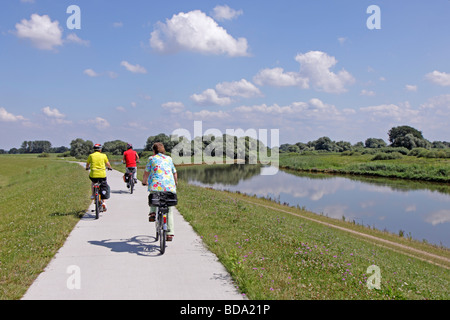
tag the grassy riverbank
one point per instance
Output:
(405, 167)
(278, 252)
(41, 200)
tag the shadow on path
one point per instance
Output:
(139, 245)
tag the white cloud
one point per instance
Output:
(6, 116)
(118, 24)
(226, 13)
(52, 113)
(55, 115)
(173, 107)
(440, 78)
(410, 87)
(316, 65)
(41, 31)
(314, 71)
(133, 68)
(197, 32)
(75, 39)
(99, 123)
(223, 92)
(90, 73)
(210, 97)
(242, 88)
(278, 78)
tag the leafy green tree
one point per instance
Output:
(375, 143)
(164, 139)
(80, 148)
(397, 135)
(116, 147)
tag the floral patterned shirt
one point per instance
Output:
(161, 169)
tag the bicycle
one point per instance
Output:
(129, 179)
(98, 198)
(162, 201)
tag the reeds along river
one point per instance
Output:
(414, 209)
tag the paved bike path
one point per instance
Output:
(117, 257)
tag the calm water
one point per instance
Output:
(420, 210)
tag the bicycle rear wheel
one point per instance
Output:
(162, 241)
(131, 184)
(97, 206)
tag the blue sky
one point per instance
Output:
(307, 68)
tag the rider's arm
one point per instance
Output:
(108, 165)
(137, 157)
(145, 178)
(175, 177)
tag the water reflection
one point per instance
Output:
(419, 209)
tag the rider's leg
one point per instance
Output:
(170, 224)
(152, 215)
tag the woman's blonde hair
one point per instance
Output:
(158, 147)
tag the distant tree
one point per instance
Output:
(397, 135)
(323, 143)
(13, 151)
(163, 138)
(358, 145)
(375, 143)
(116, 147)
(37, 146)
(343, 146)
(61, 149)
(80, 148)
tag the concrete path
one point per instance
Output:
(117, 257)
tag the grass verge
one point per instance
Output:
(41, 200)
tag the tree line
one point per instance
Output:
(399, 137)
(234, 147)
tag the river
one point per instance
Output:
(415, 209)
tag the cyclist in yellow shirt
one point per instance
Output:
(97, 163)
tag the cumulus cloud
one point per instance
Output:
(439, 78)
(242, 88)
(223, 92)
(43, 33)
(6, 116)
(133, 68)
(52, 113)
(195, 31)
(278, 78)
(222, 13)
(316, 65)
(55, 115)
(315, 71)
(210, 97)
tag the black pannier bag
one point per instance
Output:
(105, 190)
(158, 199)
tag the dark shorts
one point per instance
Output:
(95, 180)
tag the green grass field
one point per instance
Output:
(406, 167)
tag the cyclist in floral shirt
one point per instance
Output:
(160, 175)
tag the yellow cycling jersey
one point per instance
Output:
(97, 162)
